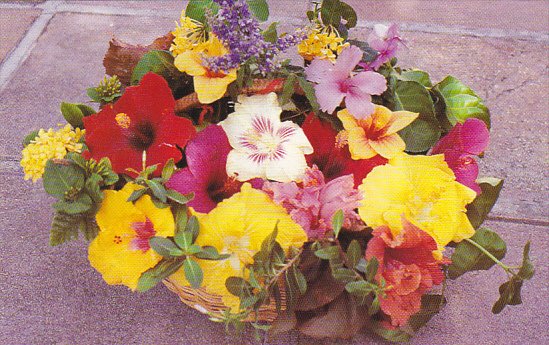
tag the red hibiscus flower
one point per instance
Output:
(143, 119)
(464, 141)
(330, 157)
(407, 264)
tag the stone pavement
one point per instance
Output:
(50, 51)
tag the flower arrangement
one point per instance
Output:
(327, 196)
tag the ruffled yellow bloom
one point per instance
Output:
(49, 145)
(209, 85)
(121, 251)
(424, 190)
(190, 35)
(238, 226)
(322, 44)
(376, 134)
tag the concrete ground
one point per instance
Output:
(50, 51)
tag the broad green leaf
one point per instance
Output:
(259, 8)
(440, 109)
(462, 102)
(344, 275)
(288, 89)
(168, 169)
(178, 197)
(309, 91)
(60, 178)
(156, 61)
(361, 290)
(328, 253)
(349, 14)
(93, 94)
(430, 306)
(89, 227)
(73, 114)
(196, 9)
(180, 217)
(155, 275)
(526, 270)
(211, 253)
(30, 137)
(81, 204)
(270, 34)
(416, 75)
(93, 188)
(136, 194)
(184, 239)
(297, 278)
(468, 257)
(193, 272)
(159, 191)
(424, 132)
(509, 295)
(238, 286)
(86, 110)
(337, 222)
(165, 247)
(193, 249)
(63, 228)
(193, 227)
(354, 253)
(483, 203)
(330, 12)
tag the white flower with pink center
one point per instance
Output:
(263, 146)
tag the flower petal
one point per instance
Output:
(328, 95)
(369, 82)
(347, 61)
(190, 62)
(240, 164)
(210, 90)
(359, 145)
(290, 168)
(318, 70)
(399, 120)
(359, 104)
(388, 146)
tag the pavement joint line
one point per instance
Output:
(25, 46)
(525, 221)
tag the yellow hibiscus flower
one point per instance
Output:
(121, 251)
(376, 134)
(208, 85)
(238, 226)
(424, 190)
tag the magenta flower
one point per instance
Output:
(337, 81)
(206, 174)
(458, 146)
(313, 203)
(384, 39)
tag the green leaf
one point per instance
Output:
(136, 194)
(309, 91)
(184, 239)
(392, 335)
(168, 169)
(86, 110)
(462, 102)
(343, 275)
(509, 295)
(297, 278)
(93, 189)
(430, 306)
(354, 253)
(196, 9)
(270, 34)
(155, 275)
(337, 222)
(210, 253)
(93, 94)
(374, 306)
(193, 249)
(424, 132)
(63, 228)
(467, 257)
(60, 178)
(361, 290)
(371, 269)
(165, 247)
(73, 114)
(30, 137)
(416, 75)
(178, 197)
(89, 227)
(81, 204)
(238, 286)
(526, 270)
(483, 203)
(156, 61)
(259, 8)
(349, 14)
(158, 190)
(288, 89)
(180, 217)
(193, 272)
(193, 227)
(330, 12)
(361, 266)
(328, 253)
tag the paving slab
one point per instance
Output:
(50, 295)
(13, 26)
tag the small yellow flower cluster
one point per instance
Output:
(190, 35)
(323, 44)
(48, 145)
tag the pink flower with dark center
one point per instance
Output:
(335, 82)
(313, 203)
(459, 145)
(206, 174)
(144, 231)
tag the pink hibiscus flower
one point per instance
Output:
(206, 174)
(458, 146)
(335, 82)
(384, 39)
(313, 203)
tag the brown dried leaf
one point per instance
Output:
(121, 58)
(284, 322)
(320, 291)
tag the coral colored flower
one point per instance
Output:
(337, 81)
(424, 190)
(384, 39)
(143, 119)
(377, 134)
(49, 145)
(209, 85)
(463, 141)
(407, 264)
(206, 174)
(331, 156)
(121, 251)
(322, 43)
(238, 226)
(263, 146)
(313, 203)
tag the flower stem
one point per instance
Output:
(492, 257)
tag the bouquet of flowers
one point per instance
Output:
(327, 195)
